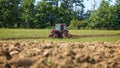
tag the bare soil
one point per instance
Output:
(33, 54)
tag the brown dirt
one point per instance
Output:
(32, 54)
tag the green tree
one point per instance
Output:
(9, 13)
(103, 17)
(27, 13)
(117, 14)
(42, 15)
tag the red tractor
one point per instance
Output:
(60, 31)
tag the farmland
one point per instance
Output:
(31, 48)
(92, 42)
(32, 54)
(42, 34)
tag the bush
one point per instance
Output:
(76, 24)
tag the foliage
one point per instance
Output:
(41, 15)
(103, 17)
(27, 13)
(76, 24)
(46, 13)
(9, 12)
(117, 14)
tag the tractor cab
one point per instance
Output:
(60, 31)
(60, 27)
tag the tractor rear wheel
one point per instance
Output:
(55, 35)
(65, 34)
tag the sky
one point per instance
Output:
(89, 4)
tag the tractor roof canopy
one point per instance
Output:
(60, 27)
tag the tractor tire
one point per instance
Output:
(65, 34)
(55, 35)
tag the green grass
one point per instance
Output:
(94, 32)
(19, 33)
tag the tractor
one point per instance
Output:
(60, 31)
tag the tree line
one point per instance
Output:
(44, 14)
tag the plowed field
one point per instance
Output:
(34, 54)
